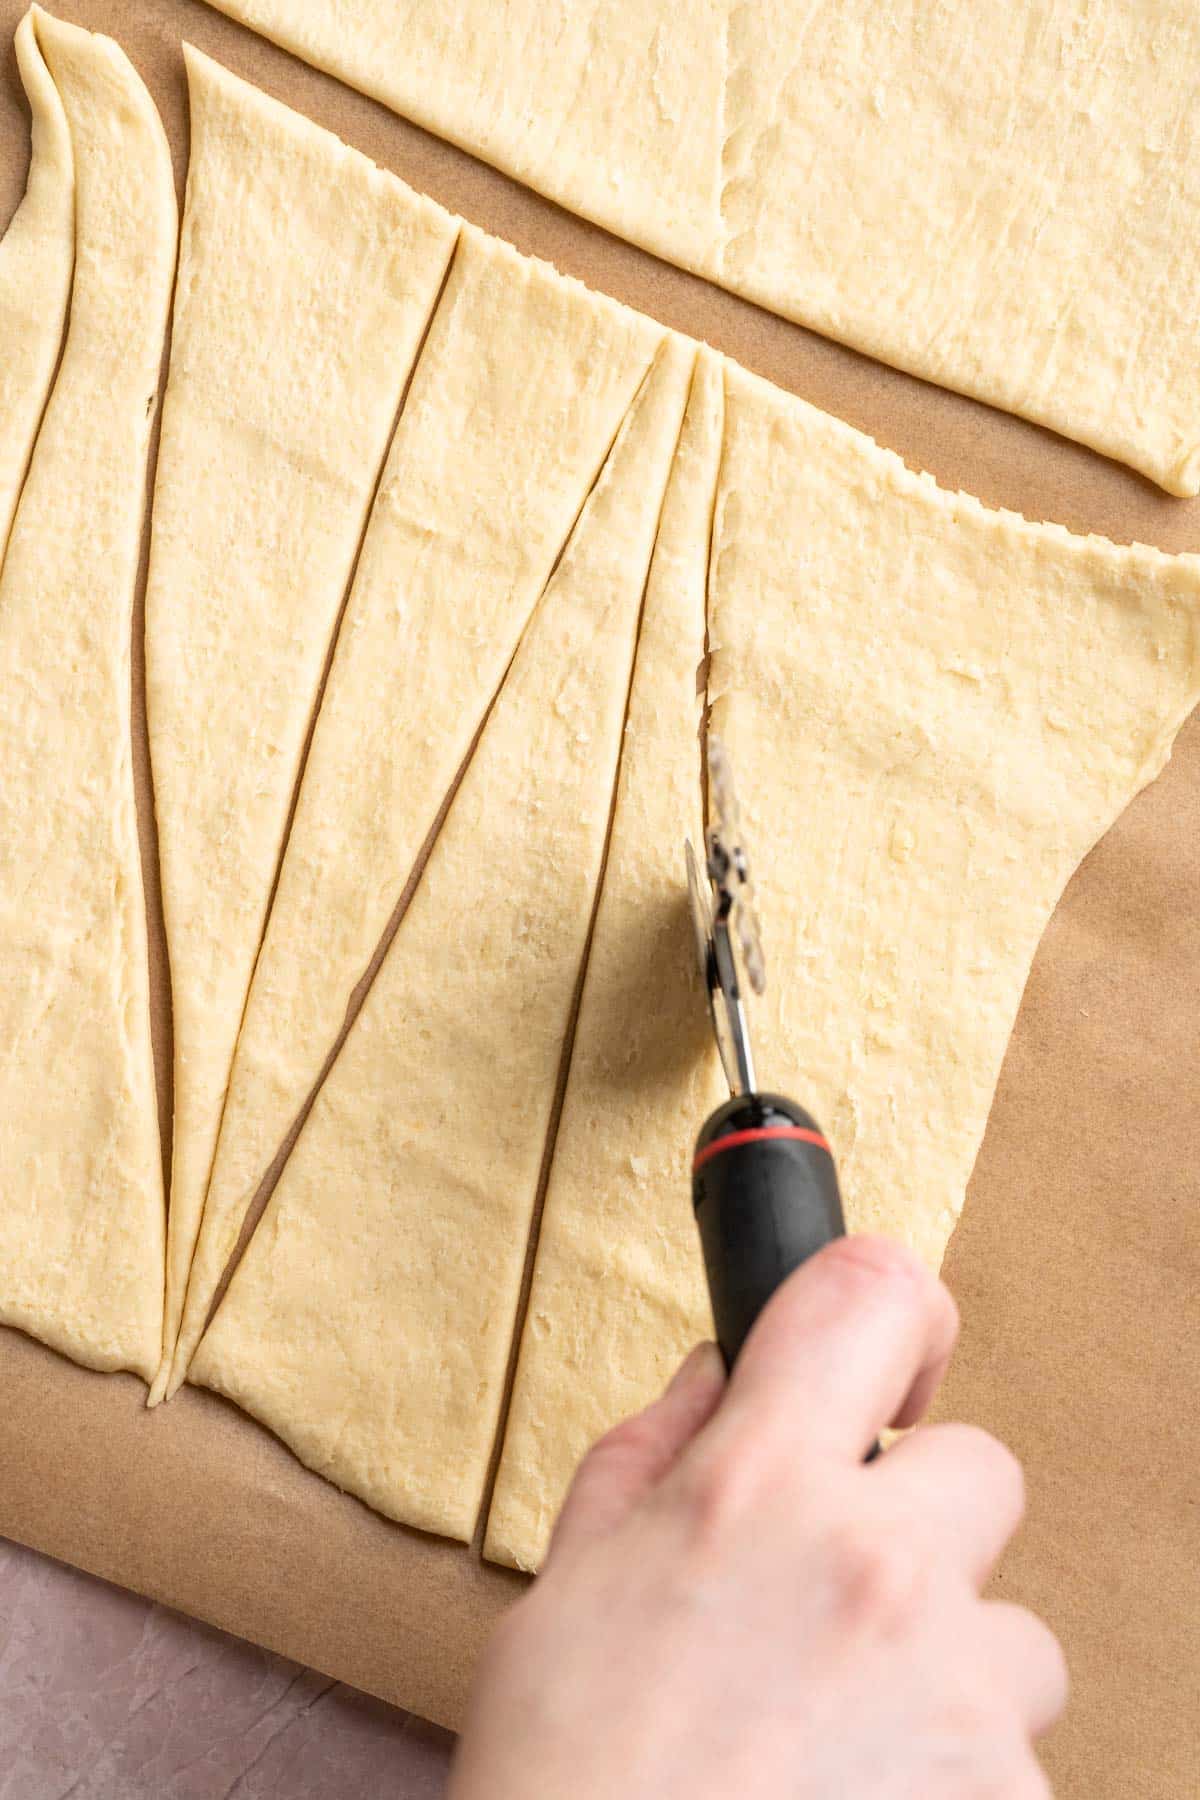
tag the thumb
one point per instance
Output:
(631, 1459)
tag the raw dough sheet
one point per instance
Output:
(971, 659)
(520, 389)
(618, 1294)
(369, 1322)
(1001, 199)
(37, 254)
(306, 279)
(1075, 1237)
(81, 1200)
(933, 712)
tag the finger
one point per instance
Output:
(960, 1486)
(1028, 1659)
(858, 1338)
(634, 1456)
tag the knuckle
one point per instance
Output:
(614, 1459)
(1049, 1658)
(868, 1262)
(1030, 1632)
(880, 1583)
(1059, 1673)
(631, 1440)
(999, 1468)
(717, 1491)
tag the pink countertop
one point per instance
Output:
(104, 1696)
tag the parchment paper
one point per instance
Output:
(1077, 1260)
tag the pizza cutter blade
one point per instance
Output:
(764, 1184)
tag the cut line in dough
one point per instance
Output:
(307, 279)
(618, 1293)
(520, 391)
(37, 254)
(81, 1201)
(369, 1322)
(933, 711)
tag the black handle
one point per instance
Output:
(765, 1192)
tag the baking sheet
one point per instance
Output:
(1077, 1261)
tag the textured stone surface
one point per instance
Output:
(104, 1696)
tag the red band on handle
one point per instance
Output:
(757, 1135)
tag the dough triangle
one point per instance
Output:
(518, 395)
(370, 1320)
(37, 253)
(81, 1202)
(306, 279)
(618, 1292)
(933, 712)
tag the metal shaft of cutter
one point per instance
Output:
(739, 1063)
(764, 1185)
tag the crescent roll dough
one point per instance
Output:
(618, 1289)
(370, 1320)
(81, 1201)
(306, 279)
(520, 389)
(933, 711)
(1004, 199)
(36, 256)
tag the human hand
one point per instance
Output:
(735, 1605)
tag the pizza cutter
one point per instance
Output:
(764, 1183)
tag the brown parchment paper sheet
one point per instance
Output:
(1075, 1265)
